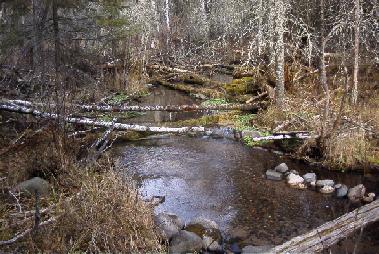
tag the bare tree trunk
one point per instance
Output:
(280, 22)
(356, 51)
(323, 78)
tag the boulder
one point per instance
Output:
(294, 180)
(369, 198)
(169, 224)
(341, 190)
(257, 249)
(185, 242)
(322, 183)
(327, 189)
(281, 168)
(310, 177)
(273, 175)
(356, 193)
(293, 171)
(35, 185)
(209, 232)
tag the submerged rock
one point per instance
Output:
(356, 193)
(369, 198)
(322, 183)
(169, 224)
(185, 242)
(257, 249)
(327, 189)
(294, 180)
(281, 168)
(310, 177)
(341, 190)
(273, 175)
(209, 231)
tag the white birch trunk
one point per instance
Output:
(356, 51)
(280, 22)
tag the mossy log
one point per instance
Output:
(331, 232)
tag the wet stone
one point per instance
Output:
(169, 224)
(294, 180)
(341, 190)
(327, 189)
(185, 242)
(310, 177)
(322, 183)
(273, 175)
(281, 168)
(356, 193)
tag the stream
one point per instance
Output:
(223, 180)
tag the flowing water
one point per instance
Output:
(223, 180)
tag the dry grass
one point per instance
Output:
(96, 209)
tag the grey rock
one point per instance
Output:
(369, 198)
(281, 168)
(326, 189)
(273, 175)
(169, 224)
(337, 186)
(257, 249)
(185, 242)
(341, 190)
(200, 96)
(295, 172)
(310, 177)
(294, 180)
(322, 183)
(208, 230)
(253, 134)
(356, 193)
(33, 186)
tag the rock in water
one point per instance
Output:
(369, 198)
(356, 193)
(185, 242)
(209, 232)
(327, 189)
(169, 224)
(322, 183)
(294, 180)
(273, 175)
(310, 177)
(281, 168)
(341, 190)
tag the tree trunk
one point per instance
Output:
(331, 232)
(280, 19)
(356, 51)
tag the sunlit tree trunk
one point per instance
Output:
(280, 22)
(356, 51)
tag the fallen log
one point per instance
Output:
(331, 232)
(225, 132)
(138, 108)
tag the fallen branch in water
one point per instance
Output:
(225, 132)
(331, 232)
(169, 108)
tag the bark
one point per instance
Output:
(280, 19)
(331, 232)
(169, 108)
(356, 51)
(225, 132)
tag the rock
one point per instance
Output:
(200, 96)
(281, 168)
(322, 183)
(238, 234)
(341, 190)
(294, 180)
(208, 230)
(169, 224)
(294, 172)
(327, 189)
(234, 247)
(185, 242)
(310, 177)
(253, 134)
(337, 186)
(356, 193)
(34, 185)
(273, 175)
(369, 198)
(257, 249)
